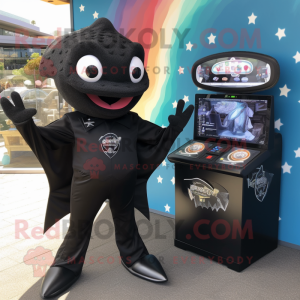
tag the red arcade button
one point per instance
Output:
(209, 157)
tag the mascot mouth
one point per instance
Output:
(112, 103)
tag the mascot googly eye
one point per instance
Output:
(89, 68)
(136, 70)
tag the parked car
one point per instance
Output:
(32, 97)
(6, 93)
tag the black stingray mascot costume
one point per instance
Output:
(101, 74)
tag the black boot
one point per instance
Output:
(149, 268)
(56, 281)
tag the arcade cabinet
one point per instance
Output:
(227, 179)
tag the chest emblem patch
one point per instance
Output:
(110, 144)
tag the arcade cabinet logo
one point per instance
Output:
(205, 196)
(260, 181)
(110, 144)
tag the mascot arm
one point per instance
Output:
(52, 137)
(152, 134)
(149, 133)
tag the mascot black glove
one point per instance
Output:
(17, 112)
(181, 117)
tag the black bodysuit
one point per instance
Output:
(111, 159)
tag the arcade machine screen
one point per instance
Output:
(245, 121)
(238, 119)
(233, 72)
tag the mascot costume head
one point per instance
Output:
(97, 70)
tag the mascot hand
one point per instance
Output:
(181, 117)
(17, 112)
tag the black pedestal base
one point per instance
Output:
(217, 258)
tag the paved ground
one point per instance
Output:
(23, 199)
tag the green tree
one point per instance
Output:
(33, 22)
(31, 69)
(35, 55)
(1, 66)
(18, 72)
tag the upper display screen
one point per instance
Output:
(237, 119)
(235, 72)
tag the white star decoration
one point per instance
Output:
(173, 180)
(189, 46)
(211, 38)
(174, 104)
(278, 124)
(159, 179)
(95, 15)
(186, 98)
(167, 208)
(81, 8)
(180, 70)
(284, 91)
(164, 163)
(286, 168)
(297, 152)
(163, 126)
(279, 219)
(280, 33)
(297, 57)
(252, 19)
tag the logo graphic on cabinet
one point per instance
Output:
(206, 196)
(260, 181)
